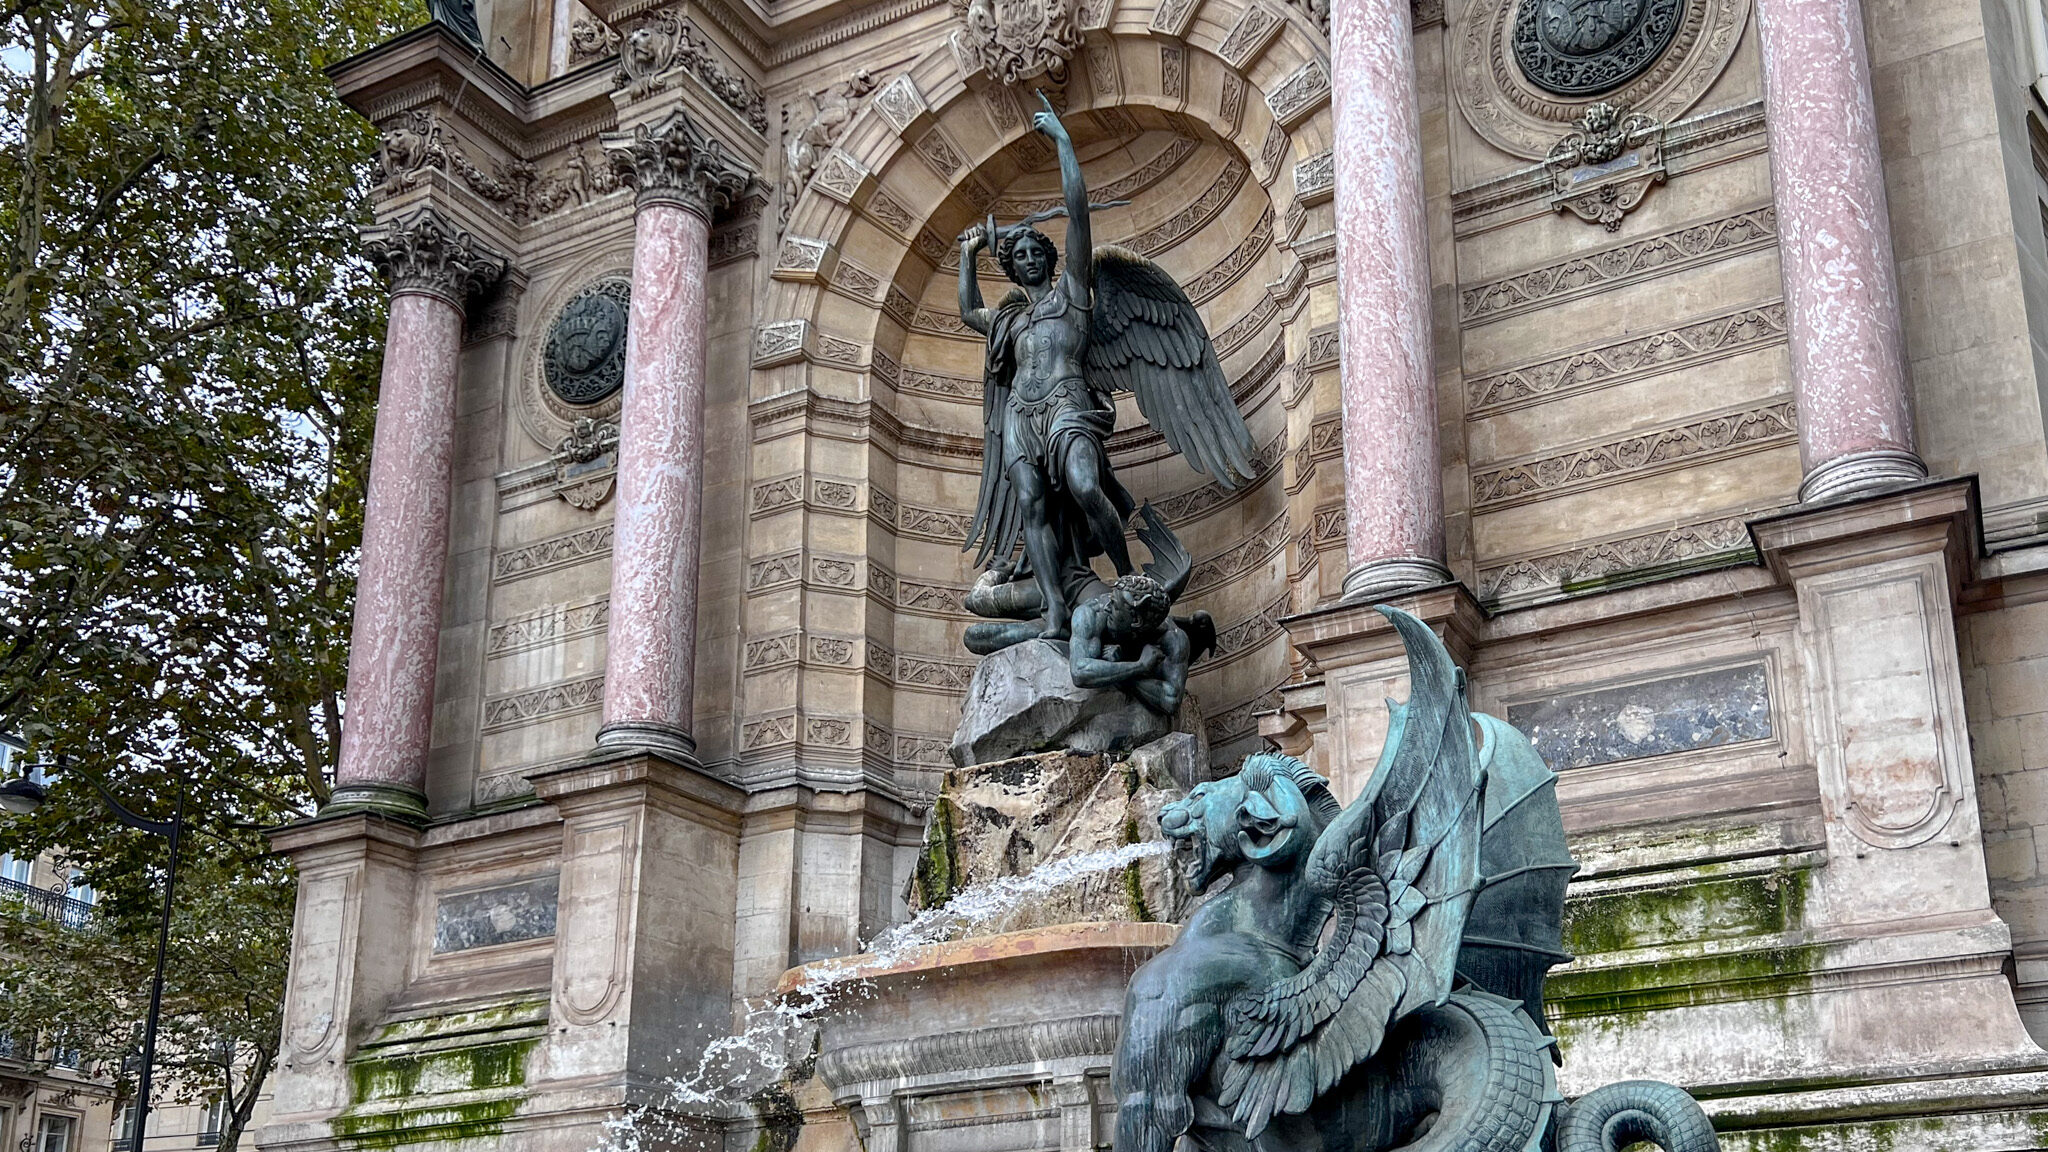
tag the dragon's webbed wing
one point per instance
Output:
(1148, 339)
(1399, 867)
(1170, 565)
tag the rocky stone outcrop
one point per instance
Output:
(1007, 818)
(1022, 700)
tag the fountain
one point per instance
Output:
(1354, 980)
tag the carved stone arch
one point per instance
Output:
(930, 107)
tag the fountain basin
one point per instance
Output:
(995, 1042)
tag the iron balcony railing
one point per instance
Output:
(52, 903)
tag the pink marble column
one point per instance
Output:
(434, 267)
(1835, 250)
(1393, 482)
(680, 175)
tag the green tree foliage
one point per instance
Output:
(189, 349)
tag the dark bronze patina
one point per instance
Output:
(1586, 47)
(1059, 346)
(1370, 978)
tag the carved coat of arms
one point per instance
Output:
(1015, 40)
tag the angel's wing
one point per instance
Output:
(1399, 867)
(1149, 339)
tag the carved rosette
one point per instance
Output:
(426, 252)
(677, 162)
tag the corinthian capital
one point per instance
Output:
(677, 162)
(427, 252)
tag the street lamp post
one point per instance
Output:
(23, 795)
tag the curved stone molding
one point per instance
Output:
(1524, 120)
(1717, 436)
(426, 252)
(1860, 472)
(676, 161)
(998, 1047)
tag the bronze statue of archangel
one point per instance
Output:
(1059, 346)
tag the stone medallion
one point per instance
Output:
(584, 360)
(1525, 71)
(1586, 47)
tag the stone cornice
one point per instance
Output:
(675, 161)
(426, 252)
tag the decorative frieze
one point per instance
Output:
(1172, 17)
(1152, 170)
(902, 104)
(1239, 721)
(1246, 556)
(1173, 71)
(1230, 102)
(1536, 579)
(1620, 361)
(427, 252)
(1695, 441)
(774, 572)
(570, 548)
(1315, 179)
(1652, 256)
(780, 342)
(554, 624)
(544, 703)
(1225, 272)
(768, 652)
(676, 161)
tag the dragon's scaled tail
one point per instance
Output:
(1612, 1118)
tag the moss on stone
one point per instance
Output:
(437, 1096)
(1629, 990)
(1717, 908)
(938, 866)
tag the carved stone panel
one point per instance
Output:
(504, 914)
(1681, 713)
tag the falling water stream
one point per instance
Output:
(732, 1069)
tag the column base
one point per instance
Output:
(666, 740)
(394, 800)
(1860, 472)
(1393, 576)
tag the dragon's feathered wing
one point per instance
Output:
(1148, 339)
(1399, 867)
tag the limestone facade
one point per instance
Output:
(1799, 742)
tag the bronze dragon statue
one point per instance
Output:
(1371, 978)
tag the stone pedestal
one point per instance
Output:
(356, 889)
(644, 930)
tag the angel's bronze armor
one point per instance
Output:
(1057, 348)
